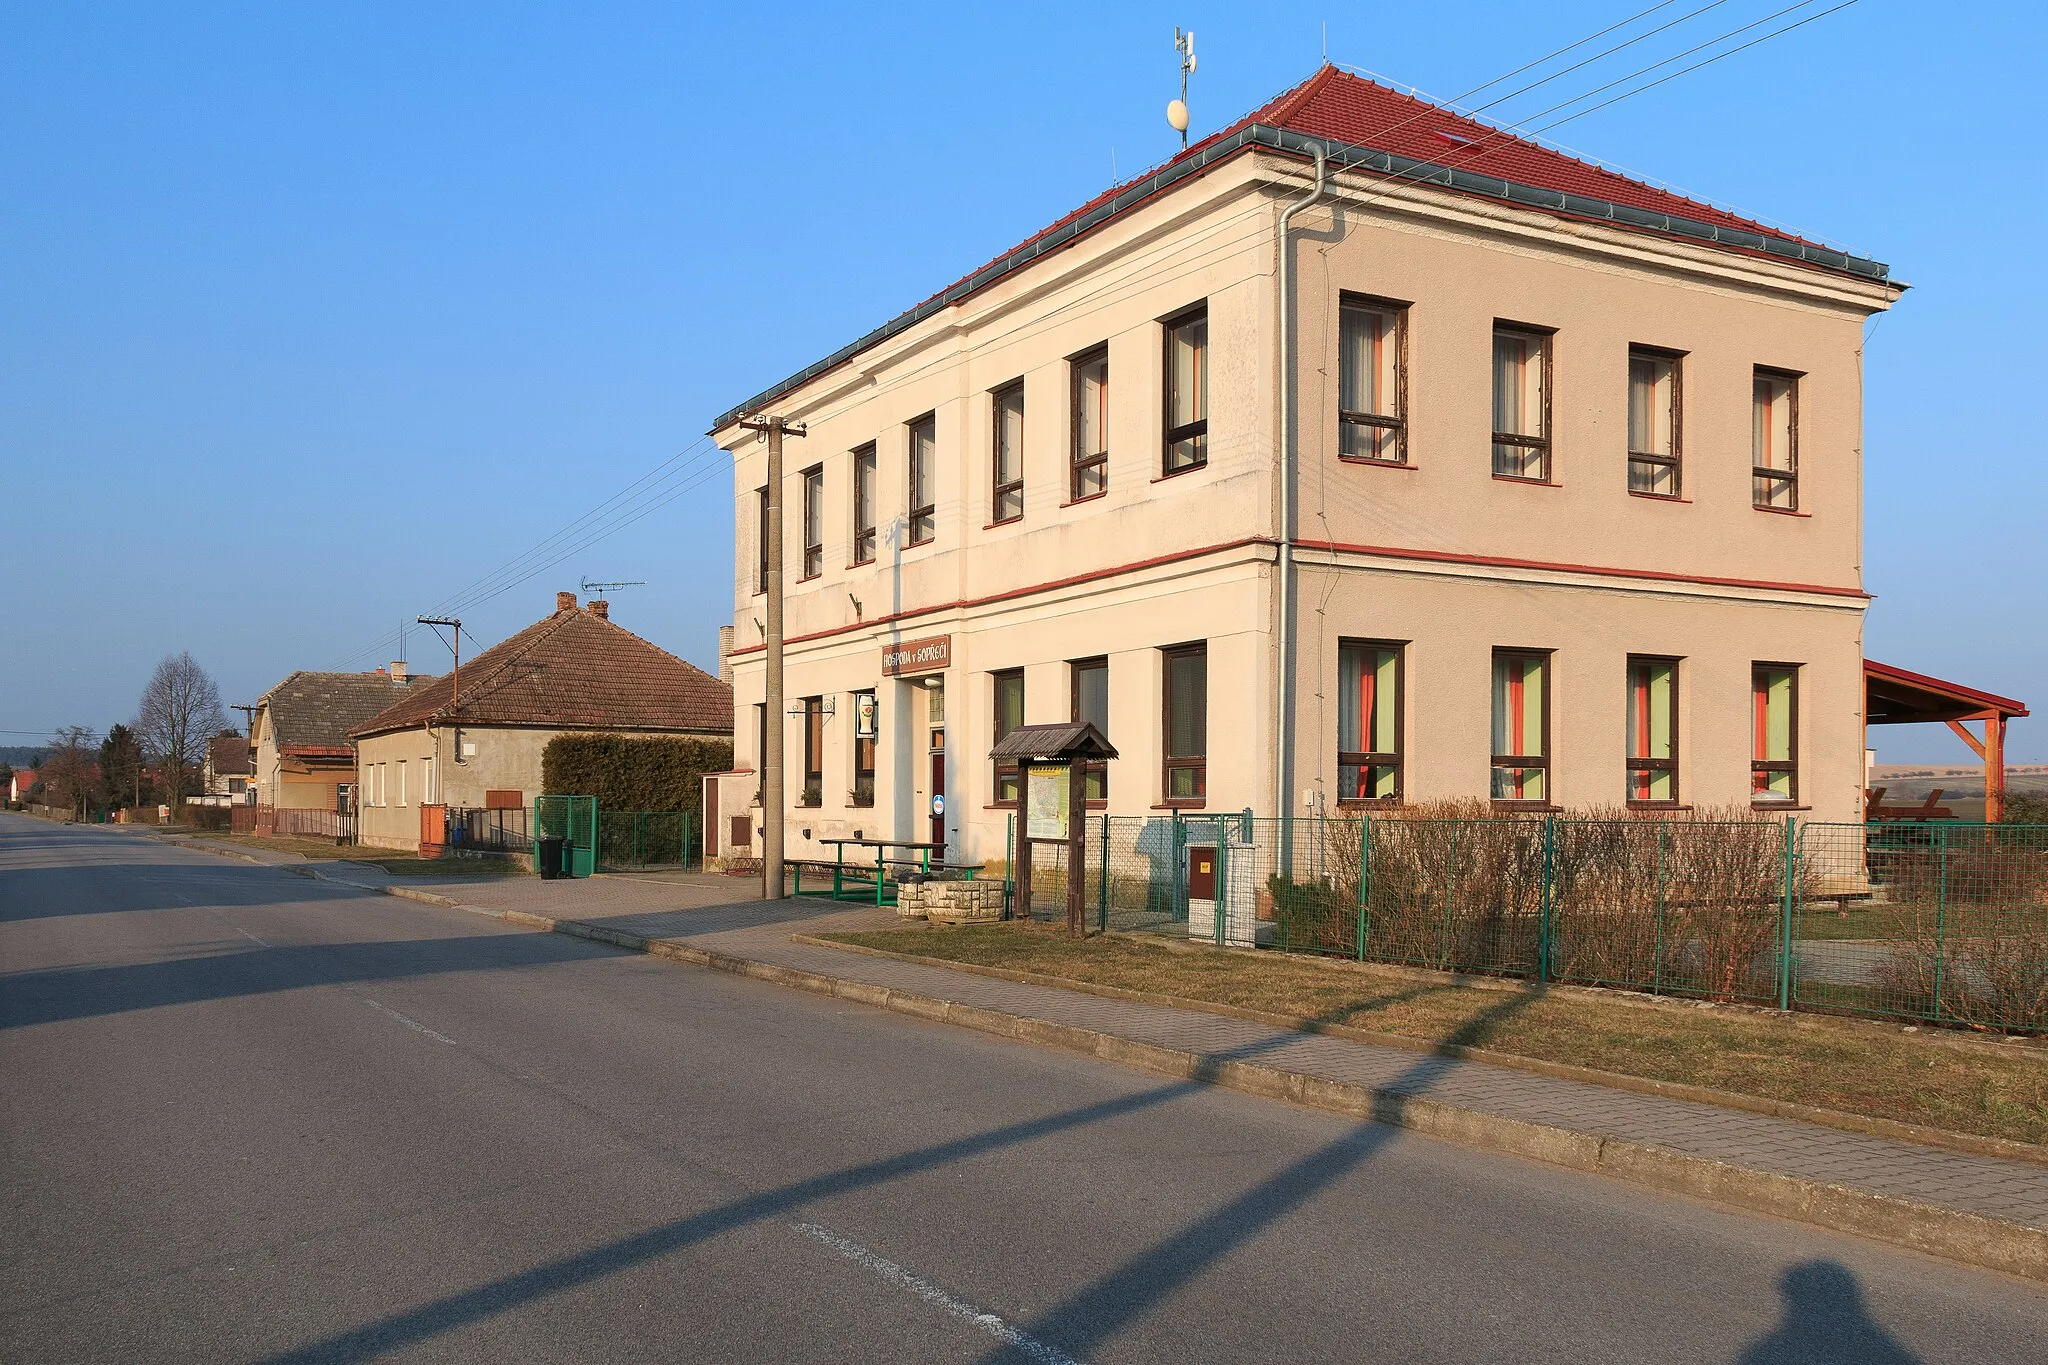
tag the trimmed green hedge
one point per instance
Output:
(625, 773)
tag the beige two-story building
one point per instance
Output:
(1361, 454)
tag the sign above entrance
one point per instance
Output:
(932, 654)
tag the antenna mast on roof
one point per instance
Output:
(590, 587)
(1177, 110)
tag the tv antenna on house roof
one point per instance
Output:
(1177, 110)
(590, 587)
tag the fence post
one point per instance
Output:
(1544, 901)
(1450, 896)
(1222, 878)
(1785, 916)
(1657, 962)
(1102, 905)
(1940, 912)
(1364, 880)
(1009, 867)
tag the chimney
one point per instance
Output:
(565, 601)
(601, 609)
(398, 671)
(380, 670)
(725, 655)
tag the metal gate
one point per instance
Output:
(572, 819)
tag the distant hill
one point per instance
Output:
(22, 755)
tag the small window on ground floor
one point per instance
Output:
(1368, 721)
(1652, 731)
(1521, 726)
(1185, 778)
(1774, 769)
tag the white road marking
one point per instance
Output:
(409, 1023)
(260, 943)
(937, 1297)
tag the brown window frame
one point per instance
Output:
(1544, 445)
(1169, 762)
(999, 487)
(1001, 769)
(1675, 461)
(1540, 761)
(1370, 759)
(862, 796)
(812, 796)
(813, 521)
(761, 539)
(863, 480)
(1398, 423)
(923, 519)
(1080, 462)
(1633, 764)
(1757, 766)
(1788, 476)
(1097, 771)
(1196, 430)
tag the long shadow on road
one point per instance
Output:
(1085, 1320)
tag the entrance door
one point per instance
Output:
(936, 731)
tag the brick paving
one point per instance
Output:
(711, 912)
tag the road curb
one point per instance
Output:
(1968, 1143)
(1972, 1239)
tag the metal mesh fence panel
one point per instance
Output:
(1946, 922)
(647, 838)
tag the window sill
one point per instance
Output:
(919, 544)
(1780, 511)
(1363, 462)
(1006, 521)
(1091, 497)
(1660, 497)
(862, 564)
(1177, 473)
(1532, 483)
(1203, 804)
(1000, 805)
(1536, 806)
(1097, 805)
(1777, 806)
(812, 577)
(1372, 804)
(1658, 805)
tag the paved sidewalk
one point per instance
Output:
(704, 912)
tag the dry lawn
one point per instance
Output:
(1872, 1071)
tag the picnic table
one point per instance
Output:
(862, 877)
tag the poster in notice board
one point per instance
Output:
(1045, 803)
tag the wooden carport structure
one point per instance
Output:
(1898, 696)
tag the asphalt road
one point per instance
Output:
(252, 1117)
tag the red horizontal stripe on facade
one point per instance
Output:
(1432, 556)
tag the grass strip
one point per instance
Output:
(1904, 1077)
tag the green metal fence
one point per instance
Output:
(1941, 922)
(648, 838)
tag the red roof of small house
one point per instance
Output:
(1434, 145)
(573, 670)
(1899, 695)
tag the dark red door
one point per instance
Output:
(938, 810)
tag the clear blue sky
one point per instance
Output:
(312, 316)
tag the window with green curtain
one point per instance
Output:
(1009, 714)
(1368, 721)
(1652, 731)
(1774, 768)
(1521, 725)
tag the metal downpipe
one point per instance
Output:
(1283, 768)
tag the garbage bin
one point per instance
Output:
(552, 847)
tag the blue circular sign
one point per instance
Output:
(939, 804)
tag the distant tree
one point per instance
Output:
(121, 767)
(68, 774)
(179, 713)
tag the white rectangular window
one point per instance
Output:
(1187, 391)
(1007, 472)
(1371, 422)
(1653, 423)
(864, 505)
(1521, 404)
(814, 521)
(427, 793)
(1090, 456)
(924, 458)
(1774, 438)
(401, 781)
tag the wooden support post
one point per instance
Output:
(1994, 767)
(1077, 848)
(1020, 862)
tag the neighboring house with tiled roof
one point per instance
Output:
(228, 768)
(1359, 454)
(574, 671)
(300, 753)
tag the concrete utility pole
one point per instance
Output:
(773, 772)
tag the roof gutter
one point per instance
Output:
(1340, 156)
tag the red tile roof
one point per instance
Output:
(1337, 107)
(572, 670)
